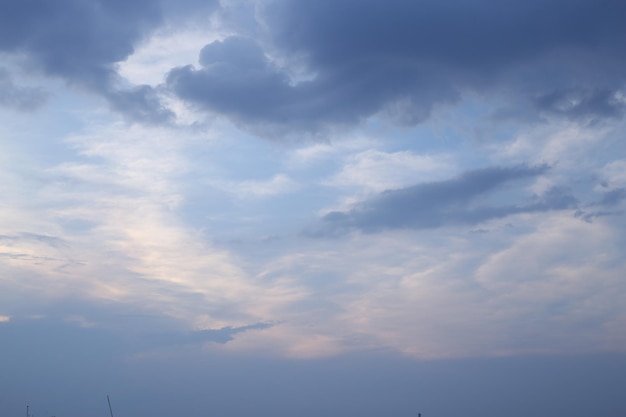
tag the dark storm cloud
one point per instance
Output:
(82, 41)
(19, 98)
(77, 40)
(403, 57)
(458, 201)
(236, 79)
(581, 104)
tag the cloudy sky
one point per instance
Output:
(303, 208)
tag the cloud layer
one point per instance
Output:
(401, 59)
(446, 203)
(82, 43)
(313, 66)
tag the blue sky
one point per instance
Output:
(288, 207)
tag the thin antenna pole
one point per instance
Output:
(27, 415)
(110, 409)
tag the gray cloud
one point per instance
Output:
(82, 41)
(17, 97)
(79, 41)
(368, 57)
(140, 103)
(613, 197)
(578, 104)
(235, 79)
(402, 58)
(458, 201)
(608, 205)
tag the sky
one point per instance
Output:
(304, 208)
